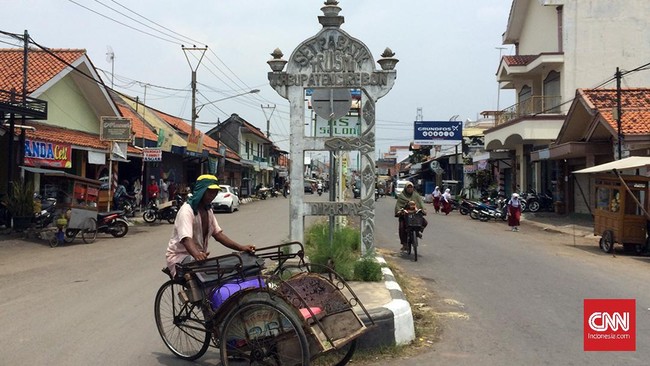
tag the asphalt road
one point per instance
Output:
(506, 298)
(82, 304)
(502, 298)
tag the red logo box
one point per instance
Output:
(610, 325)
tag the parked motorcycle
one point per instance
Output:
(320, 191)
(127, 205)
(46, 215)
(484, 211)
(262, 193)
(466, 206)
(274, 192)
(166, 211)
(113, 222)
(536, 202)
(5, 217)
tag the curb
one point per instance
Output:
(393, 321)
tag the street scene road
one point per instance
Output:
(516, 298)
(502, 298)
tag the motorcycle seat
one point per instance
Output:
(101, 215)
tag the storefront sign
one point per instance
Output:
(152, 154)
(115, 129)
(41, 153)
(343, 127)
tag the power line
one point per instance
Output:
(121, 23)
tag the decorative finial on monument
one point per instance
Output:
(331, 17)
(387, 61)
(277, 63)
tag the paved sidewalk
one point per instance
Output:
(571, 224)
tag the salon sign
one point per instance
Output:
(47, 154)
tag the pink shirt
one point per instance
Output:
(188, 225)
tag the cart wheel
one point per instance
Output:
(263, 330)
(89, 231)
(70, 234)
(54, 242)
(181, 324)
(642, 248)
(607, 241)
(338, 357)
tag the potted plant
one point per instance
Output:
(21, 205)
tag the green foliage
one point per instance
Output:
(480, 179)
(343, 251)
(21, 202)
(367, 269)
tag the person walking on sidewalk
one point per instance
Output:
(514, 212)
(436, 199)
(408, 194)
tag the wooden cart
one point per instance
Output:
(620, 212)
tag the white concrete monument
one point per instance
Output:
(331, 63)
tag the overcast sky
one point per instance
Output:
(448, 52)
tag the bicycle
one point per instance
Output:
(287, 314)
(413, 226)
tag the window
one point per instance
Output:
(552, 94)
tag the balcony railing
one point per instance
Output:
(29, 108)
(529, 107)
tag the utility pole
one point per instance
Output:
(194, 48)
(619, 112)
(268, 118)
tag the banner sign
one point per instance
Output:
(40, 153)
(115, 129)
(152, 154)
(195, 142)
(438, 132)
(343, 127)
(165, 139)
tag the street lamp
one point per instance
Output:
(200, 106)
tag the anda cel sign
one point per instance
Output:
(438, 132)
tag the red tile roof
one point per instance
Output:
(635, 105)
(139, 127)
(519, 60)
(41, 65)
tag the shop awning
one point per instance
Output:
(628, 163)
(59, 173)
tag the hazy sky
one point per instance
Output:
(448, 52)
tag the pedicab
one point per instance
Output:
(267, 308)
(621, 205)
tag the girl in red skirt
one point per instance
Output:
(436, 199)
(514, 212)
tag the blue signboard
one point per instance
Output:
(438, 132)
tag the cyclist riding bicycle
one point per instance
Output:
(407, 195)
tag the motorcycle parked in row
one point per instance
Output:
(466, 206)
(127, 205)
(484, 211)
(45, 216)
(112, 222)
(262, 193)
(538, 201)
(166, 211)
